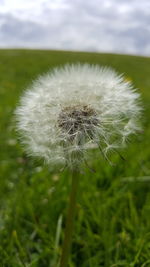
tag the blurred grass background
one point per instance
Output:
(112, 227)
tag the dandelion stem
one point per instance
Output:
(70, 220)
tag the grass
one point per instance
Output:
(112, 227)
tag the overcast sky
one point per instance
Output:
(118, 26)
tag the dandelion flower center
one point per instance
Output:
(78, 120)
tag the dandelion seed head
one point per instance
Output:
(75, 108)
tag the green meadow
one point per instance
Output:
(112, 226)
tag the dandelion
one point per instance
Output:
(71, 110)
(76, 108)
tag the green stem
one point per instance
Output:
(70, 220)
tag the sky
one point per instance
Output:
(114, 26)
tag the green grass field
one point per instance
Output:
(112, 227)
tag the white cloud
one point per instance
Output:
(111, 26)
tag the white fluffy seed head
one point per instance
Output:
(74, 108)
